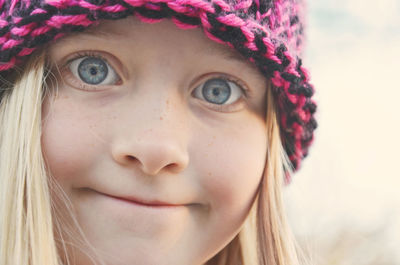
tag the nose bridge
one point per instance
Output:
(161, 109)
(155, 136)
(162, 122)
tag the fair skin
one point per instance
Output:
(149, 132)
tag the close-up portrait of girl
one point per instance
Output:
(156, 132)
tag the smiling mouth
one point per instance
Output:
(137, 201)
(150, 203)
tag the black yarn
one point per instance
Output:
(260, 44)
(252, 9)
(34, 18)
(267, 66)
(95, 2)
(217, 8)
(75, 10)
(114, 16)
(6, 55)
(213, 21)
(307, 134)
(280, 54)
(291, 78)
(265, 5)
(41, 39)
(287, 104)
(310, 106)
(292, 118)
(293, 89)
(4, 30)
(313, 123)
(187, 19)
(154, 14)
(306, 91)
(294, 20)
(245, 52)
(229, 34)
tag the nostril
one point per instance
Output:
(131, 158)
(173, 167)
(151, 156)
(128, 160)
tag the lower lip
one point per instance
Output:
(132, 205)
(141, 219)
(158, 206)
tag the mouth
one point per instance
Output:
(142, 202)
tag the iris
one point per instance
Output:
(93, 70)
(216, 91)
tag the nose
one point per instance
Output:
(152, 154)
(154, 142)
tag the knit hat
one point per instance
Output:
(267, 32)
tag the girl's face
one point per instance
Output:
(157, 136)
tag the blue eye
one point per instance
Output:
(93, 71)
(218, 91)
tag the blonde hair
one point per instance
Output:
(32, 231)
(26, 222)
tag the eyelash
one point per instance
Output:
(246, 93)
(222, 108)
(82, 54)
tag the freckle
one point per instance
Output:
(161, 118)
(209, 173)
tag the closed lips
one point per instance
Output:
(153, 203)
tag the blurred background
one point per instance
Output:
(344, 204)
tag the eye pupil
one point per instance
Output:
(216, 91)
(93, 70)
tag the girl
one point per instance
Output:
(125, 141)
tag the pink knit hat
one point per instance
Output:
(267, 32)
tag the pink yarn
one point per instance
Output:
(59, 21)
(38, 11)
(114, 9)
(10, 43)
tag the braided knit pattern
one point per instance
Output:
(267, 32)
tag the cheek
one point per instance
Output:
(65, 135)
(231, 165)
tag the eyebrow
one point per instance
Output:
(97, 33)
(227, 52)
(230, 54)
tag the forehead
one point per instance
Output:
(129, 31)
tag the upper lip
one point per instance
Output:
(154, 203)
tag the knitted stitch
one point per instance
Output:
(267, 32)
